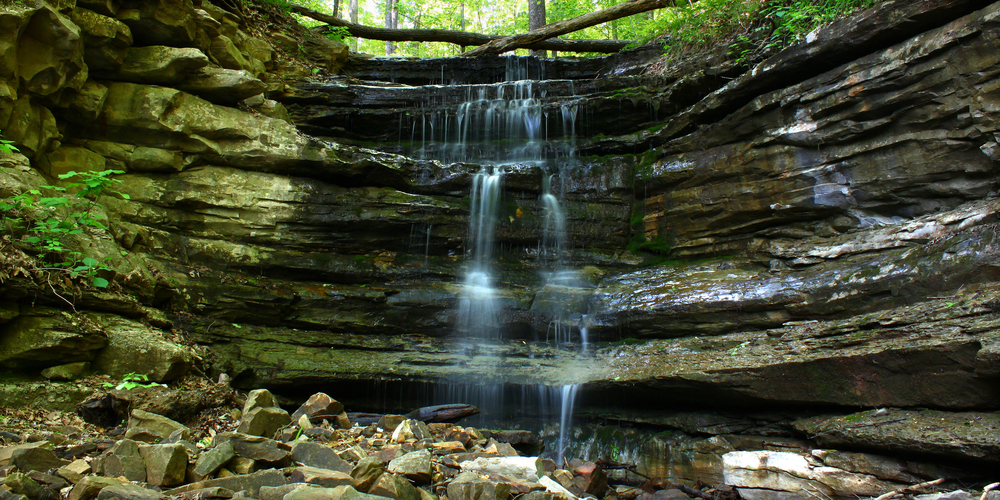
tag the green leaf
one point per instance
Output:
(100, 283)
(90, 261)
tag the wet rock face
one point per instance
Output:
(897, 134)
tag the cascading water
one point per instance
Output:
(477, 315)
(505, 126)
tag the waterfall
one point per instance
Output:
(477, 315)
(504, 127)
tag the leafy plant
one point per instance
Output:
(51, 224)
(338, 33)
(7, 147)
(132, 380)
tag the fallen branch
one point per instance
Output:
(462, 38)
(988, 489)
(577, 23)
(917, 488)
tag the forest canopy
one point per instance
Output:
(689, 25)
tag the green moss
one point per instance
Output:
(628, 341)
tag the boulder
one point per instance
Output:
(321, 477)
(134, 347)
(41, 337)
(523, 468)
(69, 371)
(318, 455)
(259, 398)
(251, 483)
(72, 159)
(106, 40)
(256, 448)
(367, 472)
(223, 86)
(75, 471)
(319, 406)
(146, 159)
(6, 452)
(469, 486)
(390, 421)
(260, 50)
(309, 492)
(767, 474)
(36, 459)
(24, 486)
(123, 460)
(30, 125)
(263, 421)
(160, 22)
(128, 491)
(277, 492)
(393, 486)
(590, 479)
(410, 430)
(213, 459)
(50, 54)
(415, 466)
(325, 53)
(150, 427)
(961, 435)
(267, 107)
(159, 65)
(229, 57)
(84, 105)
(90, 486)
(166, 464)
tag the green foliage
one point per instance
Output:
(6, 146)
(338, 33)
(62, 211)
(132, 380)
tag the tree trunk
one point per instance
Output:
(390, 24)
(625, 9)
(459, 37)
(536, 19)
(336, 8)
(352, 11)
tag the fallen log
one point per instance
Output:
(443, 413)
(462, 38)
(577, 23)
(429, 414)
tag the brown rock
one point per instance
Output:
(319, 406)
(322, 477)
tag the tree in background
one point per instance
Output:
(391, 22)
(536, 19)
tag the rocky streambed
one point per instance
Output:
(318, 452)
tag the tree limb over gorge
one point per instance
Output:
(577, 23)
(465, 38)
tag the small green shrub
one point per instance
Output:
(132, 380)
(338, 33)
(48, 223)
(7, 147)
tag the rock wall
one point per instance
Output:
(831, 213)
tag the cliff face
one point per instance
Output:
(831, 213)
